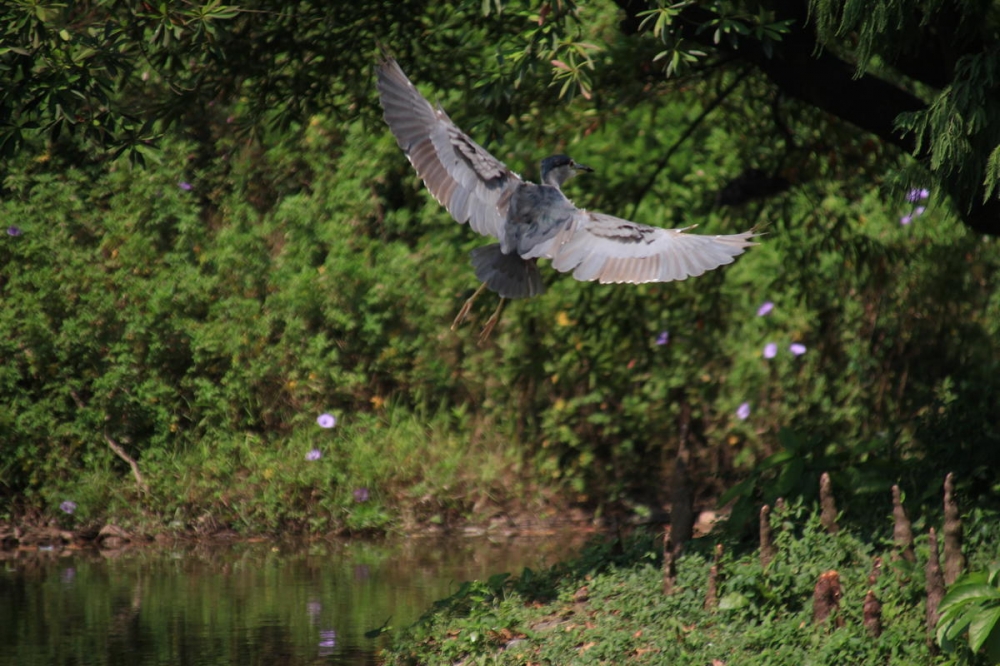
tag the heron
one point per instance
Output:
(534, 221)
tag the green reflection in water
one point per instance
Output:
(242, 603)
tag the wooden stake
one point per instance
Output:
(669, 566)
(876, 571)
(902, 532)
(828, 515)
(767, 549)
(826, 598)
(935, 590)
(712, 593)
(872, 611)
(954, 561)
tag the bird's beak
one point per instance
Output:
(581, 167)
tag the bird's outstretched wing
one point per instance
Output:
(460, 173)
(595, 246)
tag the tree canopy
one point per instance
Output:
(919, 75)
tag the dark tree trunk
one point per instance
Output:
(801, 68)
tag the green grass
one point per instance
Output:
(608, 607)
(418, 470)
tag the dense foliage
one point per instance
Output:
(278, 260)
(922, 75)
(608, 606)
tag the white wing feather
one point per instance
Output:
(595, 246)
(461, 174)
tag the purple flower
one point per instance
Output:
(664, 338)
(743, 411)
(184, 185)
(797, 349)
(906, 219)
(327, 642)
(765, 309)
(326, 421)
(68, 506)
(919, 210)
(918, 194)
(13, 230)
(315, 454)
(770, 350)
(360, 494)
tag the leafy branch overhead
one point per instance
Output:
(923, 76)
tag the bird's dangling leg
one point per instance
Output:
(464, 312)
(491, 322)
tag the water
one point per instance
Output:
(242, 603)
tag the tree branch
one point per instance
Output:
(803, 69)
(121, 453)
(118, 450)
(661, 164)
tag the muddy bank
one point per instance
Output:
(48, 537)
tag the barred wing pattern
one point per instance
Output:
(535, 221)
(595, 246)
(460, 173)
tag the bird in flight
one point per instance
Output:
(532, 221)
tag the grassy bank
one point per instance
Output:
(391, 470)
(609, 606)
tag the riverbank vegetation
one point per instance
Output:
(212, 243)
(808, 595)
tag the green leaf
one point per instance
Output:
(733, 601)
(962, 593)
(983, 624)
(992, 647)
(742, 488)
(952, 627)
(496, 581)
(789, 479)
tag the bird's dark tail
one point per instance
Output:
(507, 274)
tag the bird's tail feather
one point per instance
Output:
(507, 274)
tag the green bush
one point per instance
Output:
(233, 292)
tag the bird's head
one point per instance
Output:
(557, 169)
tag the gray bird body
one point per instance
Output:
(532, 221)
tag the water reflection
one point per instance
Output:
(243, 603)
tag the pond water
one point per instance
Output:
(240, 603)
